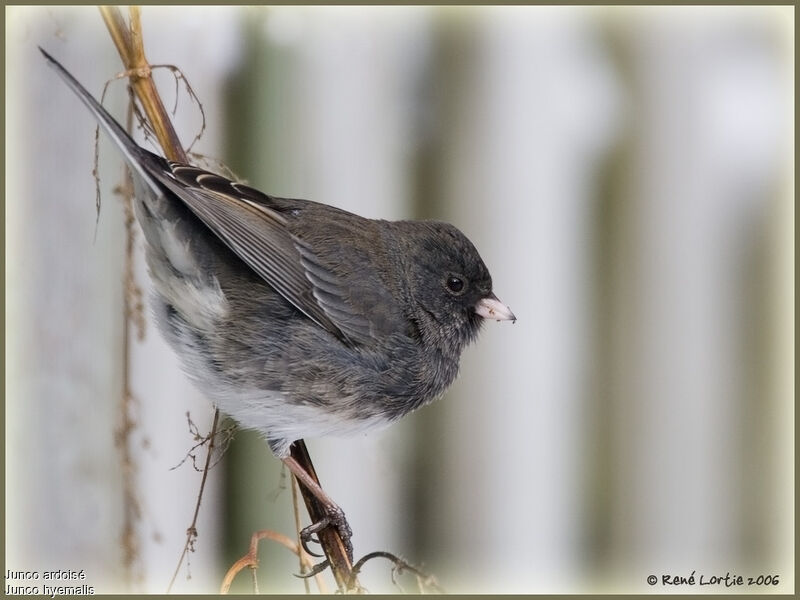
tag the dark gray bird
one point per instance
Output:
(295, 318)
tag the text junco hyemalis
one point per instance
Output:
(295, 318)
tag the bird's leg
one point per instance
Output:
(334, 516)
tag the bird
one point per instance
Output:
(295, 318)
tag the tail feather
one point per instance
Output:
(132, 152)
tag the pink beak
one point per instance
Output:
(491, 308)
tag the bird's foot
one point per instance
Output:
(334, 517)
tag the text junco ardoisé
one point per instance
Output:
(296, 318)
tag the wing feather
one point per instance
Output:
(261, 236)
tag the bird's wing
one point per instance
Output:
(255, 227)
(333, 296)
(260, 235)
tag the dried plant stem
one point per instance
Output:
(128, 41)
(425, 582)
(131, 318)
(191, 532)
(297, 528)
(329, 539)
(251, 558)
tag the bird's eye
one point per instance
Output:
(455, 284)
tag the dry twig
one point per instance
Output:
(224, 438)
(191, 532)
(298, 527)
(251, 559)
(332, 544)
(425, 582)
(128, 41)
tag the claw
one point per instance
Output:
(309, 551)
(334, 518)
(305, 538)
(315, 570)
